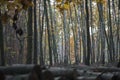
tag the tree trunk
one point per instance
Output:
(49, 34)
(30, 37)
(35, 58)
(88, 35)
(2, 57)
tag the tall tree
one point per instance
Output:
(110, 29)
(41, 24)
(54, 47)
(30, 37)
(2, 57)
(88, 34)
(49, 33)
(35, 34)
(102, 32)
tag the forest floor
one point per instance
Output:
(60, 72)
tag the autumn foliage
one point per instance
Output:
(13, 8)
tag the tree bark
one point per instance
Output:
(2, 54)
(30, 37)
(88, 35)
(35, 57)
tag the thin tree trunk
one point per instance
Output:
(88, 35)
(53, 34)
(83, 33)
(102, 35)
(35, 35)
(92, 34)
(49, 34)
(65, 37)
(2, 54)
(111, 43)
(41, 40)
(30, 37)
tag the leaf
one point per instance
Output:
(58, 6)
(3, 1)
(26, 4)
(66, 6)
(18, 1)
(11, 6)
(31, 4)
(103, 1)
(58, 0)
(100, 1)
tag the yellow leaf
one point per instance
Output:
(100, 1)
(66, 6)
(26, 4)
(58, 0)
(11, 6)
(31, 4)
(18, 1)
(103, 1)
(97, 1)
(58, 6)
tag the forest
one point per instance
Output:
(59, 39)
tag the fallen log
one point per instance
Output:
(60, 71)
(105, 76)
(105, 69)
(116, 76)
(86, 78)
(9, 77)
(14, 70)
(17, 77)
(79, 75)
(97, 69)
(25, 69)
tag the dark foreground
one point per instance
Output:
(69, 72)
